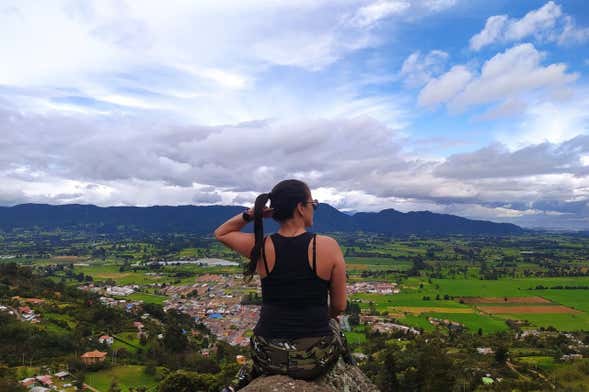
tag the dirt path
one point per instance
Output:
(538, 374)
(86, 386)
(543, 377)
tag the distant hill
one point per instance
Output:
(204, 219)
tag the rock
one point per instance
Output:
(342, 378)
(283, 383)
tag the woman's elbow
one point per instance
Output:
(218, 235)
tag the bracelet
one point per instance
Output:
(246, 217)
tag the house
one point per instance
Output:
(45, 380)
(24, 309)
(105, 339)
(34, 301)
(28, 382)
(571, 357)
(485, 350)
(92, 357)
(62, 375)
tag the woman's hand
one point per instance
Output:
(229, 233)
(266, 213)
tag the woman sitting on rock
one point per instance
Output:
(298, 333)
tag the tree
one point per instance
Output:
(184, 381)
(386, 378)
(174, 339)
(114, 386)
(501, 354)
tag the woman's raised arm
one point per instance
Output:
(229, 233)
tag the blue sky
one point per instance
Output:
(475, 108)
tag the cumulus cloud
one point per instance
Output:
(497, 161)
(74, 42)
(133, 103)
(506, 75)
(418, 68)
(552, 121)
(368, 15)
(547, 23)
(354, 163)
(445, 87)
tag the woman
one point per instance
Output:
(299, 271)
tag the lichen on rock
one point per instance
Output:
(341, 378)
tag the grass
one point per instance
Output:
(562, 322)
(413, 290)
(504, 287)
(417, 322)
(380, 261)
(474, 321)
(576, 299)
(126, 376)
(541, 361)
(357, 335)
(129, 337)
(573, 376)
(148, 298)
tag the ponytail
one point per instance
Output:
(250, 268)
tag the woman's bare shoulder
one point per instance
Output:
(327, 242)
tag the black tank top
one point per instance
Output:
(294, 298)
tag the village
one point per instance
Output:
(219, 302)
(229, 308)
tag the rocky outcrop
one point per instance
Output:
(342, 378)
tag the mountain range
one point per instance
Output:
(204, 219)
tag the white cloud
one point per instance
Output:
(553, 122)
(445, 87)
(547, 23)
(356, 164)
(370, 14)
(418, 68)
(505, 76)
(216, 63)
(492, 32)
(497, 161)
(537, 22)
(572, 34)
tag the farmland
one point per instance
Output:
(475, 291)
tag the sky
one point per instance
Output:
(469, 107)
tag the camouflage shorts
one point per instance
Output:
(303, 358)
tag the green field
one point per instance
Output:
(541, 361)
(357, 335)
(148, 298)
(474, 321)
(418, 294)
(126, 376)
(576, 299)
(128, 341)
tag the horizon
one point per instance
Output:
(469, 108)
(348, 213)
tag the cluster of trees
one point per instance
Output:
(437, 362)
(179, 348)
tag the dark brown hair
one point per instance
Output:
(284, 198)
